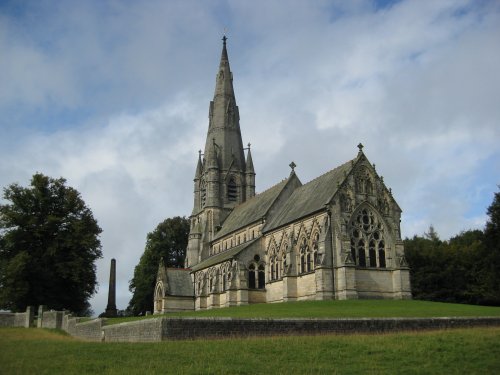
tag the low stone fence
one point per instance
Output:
(52, 319)
(171, 328)
(25, 319)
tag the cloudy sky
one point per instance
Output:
(114, 96)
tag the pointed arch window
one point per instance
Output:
(251, 276)
(262, 277)
(367, 239)
(303, 256)
(232, 190)
(203, 193)
(372, 254)
(315, 247)
(283, 259)
(159, 297)
(361, 253)
(274, 265)
(306, 258)
(381, 254)
(224, 281)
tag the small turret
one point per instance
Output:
(212, 177)
(249, 176)
(197, 178)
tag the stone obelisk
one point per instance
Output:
(111, 307)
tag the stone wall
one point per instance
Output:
(147, 330)
(90, 330)
(52, 319)
(192, 328)
(7, 319)
(25, 319)
(170, 328)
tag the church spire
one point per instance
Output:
(224, 85)
(224, 178)
(224, 119)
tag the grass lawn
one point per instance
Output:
(459, 351)
(339, 309)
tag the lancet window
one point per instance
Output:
(203, 193)
(283, 259)
(274, 265)
(315, 247)
(306, 258)
(232, 190)
(251, 276)
(367, 240)
(262, 277)
(256, 276)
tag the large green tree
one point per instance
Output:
(490, 258)
(167, 241)
(49, 242)
(465, 269)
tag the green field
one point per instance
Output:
(460, 351)
(340, 309)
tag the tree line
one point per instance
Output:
(464, 269)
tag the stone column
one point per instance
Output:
(111, 307)
(30, 314)
(41, 310)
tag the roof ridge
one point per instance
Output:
(260, 194)
(273, 186)
(330, 171)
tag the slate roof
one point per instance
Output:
(310, 197)
(179, 282)
(221, 257)
(252, 210)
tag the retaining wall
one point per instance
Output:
(90, 330)
(147, 330)
(191, 328)
(166, 328)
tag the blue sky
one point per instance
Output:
(114, 95)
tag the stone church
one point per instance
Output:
(335, 237)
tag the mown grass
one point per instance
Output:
(460, 351)
(339, 309)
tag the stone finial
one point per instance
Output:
(292, 165)
(360, 146)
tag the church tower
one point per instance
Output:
(224, 178)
